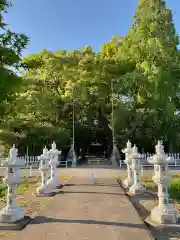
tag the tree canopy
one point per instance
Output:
(142, 68)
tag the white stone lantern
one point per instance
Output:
(11, 213)
(164, 212)
(53, 182)
(128, 161)
(44, 189)
(136, 168)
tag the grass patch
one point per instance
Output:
(149, 185)
(176, 175)
(3, 190)
(147, 182)
(174, 189)
(22, 187)
(173, 186)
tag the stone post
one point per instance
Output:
(30, 170)
(164, 212)
(136, 168)
(11, 213)
(54, 182)
(44, 189)
(74, 160)
(91, 178)
(128, 161)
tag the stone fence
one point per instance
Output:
(32, 161)
(145, 163)
(27, 160)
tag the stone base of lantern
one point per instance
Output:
(44, 191)
(52, 194)
(12, 214)
(54, 183)
(160, 217)
(60, 186)
(15, 226)
(137, 189)
(127, 183)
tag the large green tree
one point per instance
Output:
(151, 49)
(11, 46)
(142, 68)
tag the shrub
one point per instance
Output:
(3, 190)
(174, 189)
(149, 185)
(22, 187)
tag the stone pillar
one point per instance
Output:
(44, 189)
(54, 182)
(164, 212)
(91, 178)
(11, 213)
(128, 161)
(74, 160)
(30, 170)
(136, 168)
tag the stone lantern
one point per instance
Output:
(53, 182)
(164, 212)
(11, 213)
(44, 189)
(128, 161)
(136, 168)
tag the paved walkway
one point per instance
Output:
(87, 212)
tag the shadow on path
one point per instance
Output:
(42, 219)
(94, 185)
(103, 193)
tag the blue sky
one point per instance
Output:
(73, 24)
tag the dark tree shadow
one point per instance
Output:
(94, 185)
(103, 193)
(43, 219)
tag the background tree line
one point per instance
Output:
(143, 68)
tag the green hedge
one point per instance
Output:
(21, 188)
(174, 189)
(3, 190)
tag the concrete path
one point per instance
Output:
(87, 212)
